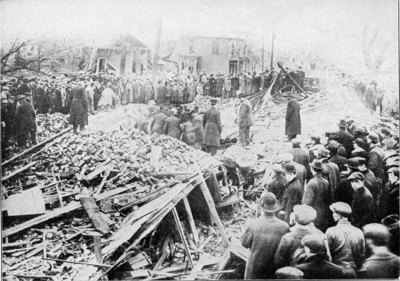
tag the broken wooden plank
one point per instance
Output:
(102, 167)
(58, 212)
(93, 212)
(78, 262)
(191, 220)
(213, 210)
(103, 181)
(20, 170)
(33, 148)
(170, 174)
(182, 235)
(148, 197)
(138, 261)
(229, 200)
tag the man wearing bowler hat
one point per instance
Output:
(262, 236)
(363, 202)
(346, 242)
(318, 196)
(293, 193)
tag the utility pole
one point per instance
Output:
(272, 47)
(157, 50)
(262, 54)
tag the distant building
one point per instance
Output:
(126, 56)
(214, 55)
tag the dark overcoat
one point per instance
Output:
(293, 121)
(292, 196)
(318, 196)
(171, 127)
(212, 127)
(25, 119)
(262, 237)
(363, 207)
(245, 114)
(78, 114)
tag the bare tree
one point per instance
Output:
(14, 50)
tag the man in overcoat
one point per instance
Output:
(262, 236)
(212, 128)
(293, 121)
(375, 155)
(245, 120)
(78, 115)
(363, 202)
(25, 122)
(318, 195)
(171, 125)
(345, 138)
(293, 193)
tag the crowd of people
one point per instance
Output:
(330, 210)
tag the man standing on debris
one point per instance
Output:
(25, 122)
(212, 128)
(245, 120)
(293, 121)
(157, 124)
(171, 125)
(78, 115)
(262, 236)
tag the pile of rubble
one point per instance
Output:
(105, 189)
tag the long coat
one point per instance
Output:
(292, 196)
(375, 163)
(212, 127)
(363, 207)
(346, 139)
(244, 114)
(293, 121)
(78, 114)
(302, 157)
(262, 237)
(318, 196)
(171, 127)
(24, 119)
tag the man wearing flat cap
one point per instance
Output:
(290, 245)
(382, 263)
(316, 264)
(318, 196)
(212, 128)
(363, 202)
(346, 242)
(262, 236)
(293, 193)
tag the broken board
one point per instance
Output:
(33, 203)
(94, 214)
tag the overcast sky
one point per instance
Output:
(328, 24)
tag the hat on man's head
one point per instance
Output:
(342, 123)
(361, 129)
(304, 214)
(269, 203)
(289, 272)
(377, 232)
(353, 163)
(373, 137)
(315, 243)
(277, 168)
(316, 164)
(386, 131)
(285, 157)
(356, 176)
(296, 141)
(333, 147)
(341, 208)
(290, 169)
(323, 152)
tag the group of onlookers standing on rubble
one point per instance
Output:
(330, 210)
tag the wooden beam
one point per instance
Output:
(26, 152)
(182, 235)
(57, 212)
(78, 262)
(13, 174)
(213, 210)
(93, 212)
(191, 220)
